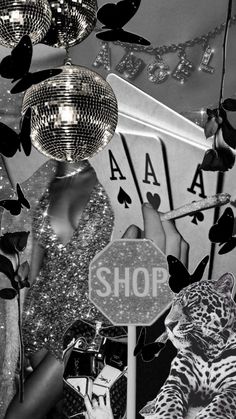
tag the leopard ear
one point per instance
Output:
(225, 284)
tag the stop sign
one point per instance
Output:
(128, 282)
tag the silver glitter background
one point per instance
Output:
(74, 114)
(23, 17)
(72, 21)
(130, 310)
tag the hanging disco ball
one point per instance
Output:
(72, 22)
(73, 115)
(23, 17)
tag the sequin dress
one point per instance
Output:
(59, 294)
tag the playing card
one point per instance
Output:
(186, 182)
(131, 169)
(138, 104)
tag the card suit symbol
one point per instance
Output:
(222, 232)
(154, 200)
(179, 275)
(197, 217)
(124, 198)
(114, 17)
(148, 351)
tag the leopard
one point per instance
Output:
(202, 326)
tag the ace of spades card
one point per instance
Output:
(131, 169)
(183, 148)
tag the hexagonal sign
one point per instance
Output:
(128, 282)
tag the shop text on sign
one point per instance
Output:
(139, 281)
(128, 282)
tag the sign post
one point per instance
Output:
(128, 283)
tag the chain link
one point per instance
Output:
(167, 49)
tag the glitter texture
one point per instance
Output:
(74, 114)
(134, 302)
(72, 22)
(59, 294)
(23, 17)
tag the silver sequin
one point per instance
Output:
(59, 294)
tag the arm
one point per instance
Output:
(36, 261)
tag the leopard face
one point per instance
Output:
(202, 315)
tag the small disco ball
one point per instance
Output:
(74, 114)
(23, 17)
(72, 22)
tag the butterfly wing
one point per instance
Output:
(16, 65)
(199, 271)
(111, 35)
(40, 76)
(24, 136)
(132, 38)
(7, 67)
(22, 85)
(115, 16)
(141, 341)
(222, 231)
(51, 37)
(34, 78)
(227, 247)
(179, 276)
(150, 351)
(9, 141)
(11, 205)
(22, 200)
(22, 56)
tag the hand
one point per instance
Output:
(100, 409)
(163, 233)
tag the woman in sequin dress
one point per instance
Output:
(73, 221)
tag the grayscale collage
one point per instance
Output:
(117, 209)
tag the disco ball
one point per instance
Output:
(72, 22)
(74, 114)
(23, 17)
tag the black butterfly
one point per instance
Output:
(114, 17)
(222, 232)
(10, 141)
(14, 206)
(148, 351)
(16, 67)
(179, 275)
